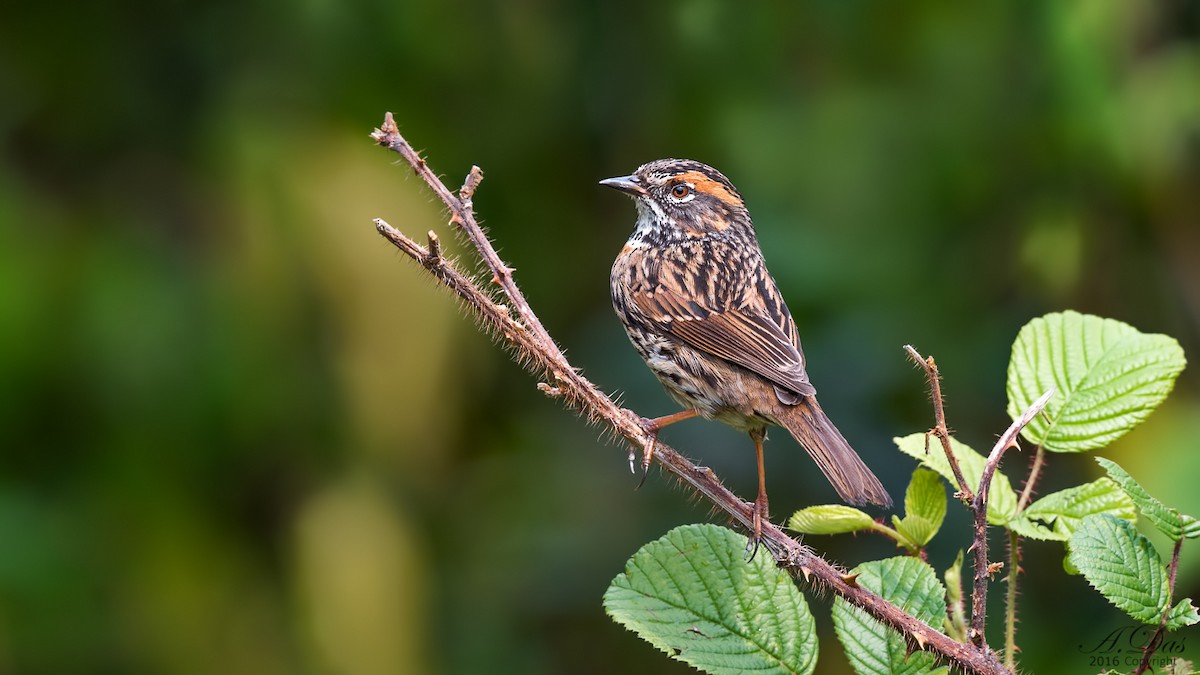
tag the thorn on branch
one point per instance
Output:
(851, 579)
(552, 392)
(504, 270)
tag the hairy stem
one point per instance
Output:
(940, 430)
(1035, 472)
(984, 569)
(1014, 562)
(1157, 638)
(1010, 600)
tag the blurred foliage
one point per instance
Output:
(242, 435)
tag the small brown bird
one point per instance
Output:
(693, 291)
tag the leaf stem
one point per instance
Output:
(1156, 640)
(1014, 562)
(1035, 471)
(1010, 598)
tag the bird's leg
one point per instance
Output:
(652, 427)
(760, 502)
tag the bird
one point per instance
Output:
(692, 289)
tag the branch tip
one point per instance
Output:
(435, 247)
(474, 178)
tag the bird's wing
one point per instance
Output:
(733, 312)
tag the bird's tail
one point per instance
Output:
(839, 462)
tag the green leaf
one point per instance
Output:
(1182, 614)
(956, 622)
(1108, 375)
(871, 647)
(1122, 565)
(926, 498)
(915, 529)
(1057, 515)
(1002, 501)
(1191, 527)
(953, 578)
(692, 595)
(1166, 519)
(830, 519)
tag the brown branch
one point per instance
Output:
(463, 216)
(939, 421)
(977, 500)
(539, 352)
(983, 569)
(1156, 639)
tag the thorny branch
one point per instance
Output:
(521, 329)
(978, 500)
(939, 420)
(983, 568)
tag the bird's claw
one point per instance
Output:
(650, 428)
(759, 509)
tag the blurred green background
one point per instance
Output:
(242, 434)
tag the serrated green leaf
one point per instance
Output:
(1191, 527)
(1057, 515)
(1168, 520)
(1109, 377)
(692, 595)
(915, 529)
(829, 519)
(1122, 565)
(953, 578)
(1182, 614)
(902, 539)
(926, 498)
(871, 647)
(1002, 501)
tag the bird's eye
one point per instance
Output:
(680, 191)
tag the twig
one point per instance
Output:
(538, 350)
(1014, 561)
(983, 569)
(463, 215)
(1156, 639)
(939, 421)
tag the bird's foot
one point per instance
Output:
(760, 516)
(651, 428)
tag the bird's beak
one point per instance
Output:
(627, 184)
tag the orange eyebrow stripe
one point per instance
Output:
(710, 187)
